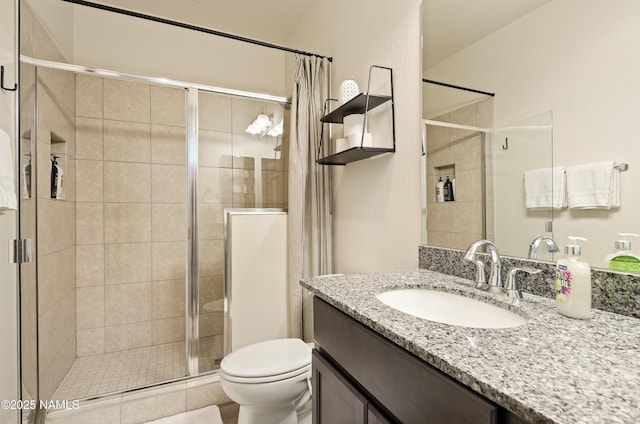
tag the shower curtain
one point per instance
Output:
(309, 228)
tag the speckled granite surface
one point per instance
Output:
(612, 291)
(551, 370)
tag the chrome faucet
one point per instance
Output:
(552, 247)
(513, 286)
(495, 280)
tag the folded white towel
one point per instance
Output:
(7, 186)
(593, 186)
(545, 188)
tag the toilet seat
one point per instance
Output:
(268, 361)
(304, 371)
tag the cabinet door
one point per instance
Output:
(335, 400)
(375, 416)
(411, 390)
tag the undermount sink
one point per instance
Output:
(449, 308)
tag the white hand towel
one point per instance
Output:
(593, 186)
(7, 185)
(545, 188)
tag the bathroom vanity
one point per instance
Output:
(374, 364)
(356, 372)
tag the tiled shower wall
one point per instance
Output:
(55, 229)
(458, 223)
(131, 206)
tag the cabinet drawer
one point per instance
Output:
(410, 389)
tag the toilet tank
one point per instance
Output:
(255, 276)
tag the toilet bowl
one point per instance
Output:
(270, 382)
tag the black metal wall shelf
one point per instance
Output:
(361, 104)
(353, 154)
(357, 105)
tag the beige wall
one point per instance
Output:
(86, 37)
(58, 19)
(174, 53)
(457, 154)
(8, 281)
(377, 202)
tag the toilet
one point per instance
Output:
(264, 372)
(270, 380)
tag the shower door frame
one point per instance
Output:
(192, 139)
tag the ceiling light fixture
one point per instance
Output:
(276, 130)
(263, 125)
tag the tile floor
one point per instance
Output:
(113, 372)
(207, 415)
(229, 412)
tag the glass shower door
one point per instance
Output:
(103, 303)
(131, 169)
(128, 180)
(242, 152)
(215, 193)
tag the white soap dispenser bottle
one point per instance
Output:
(573, 282)
(440, 190)
(623, 259)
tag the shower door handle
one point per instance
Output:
(20, 251)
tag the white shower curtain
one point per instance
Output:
(309, 228)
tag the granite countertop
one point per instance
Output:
(553, 369)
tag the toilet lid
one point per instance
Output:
(270, 358)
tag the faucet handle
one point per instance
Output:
(481, 275)
(513, 286)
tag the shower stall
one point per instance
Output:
(124, 183)
(457, 133)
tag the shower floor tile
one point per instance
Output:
(96, 375)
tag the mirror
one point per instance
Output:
(570, 59)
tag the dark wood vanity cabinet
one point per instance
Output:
(341, 402)
(359, 377)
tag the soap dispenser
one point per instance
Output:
(440, 190)
(448, 190)
(54, 176)
(573, 282)
(623, 259)
(57, 177)
(26, 177)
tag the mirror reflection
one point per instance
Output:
(571, 61)
(458, 144)
(521, 148)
